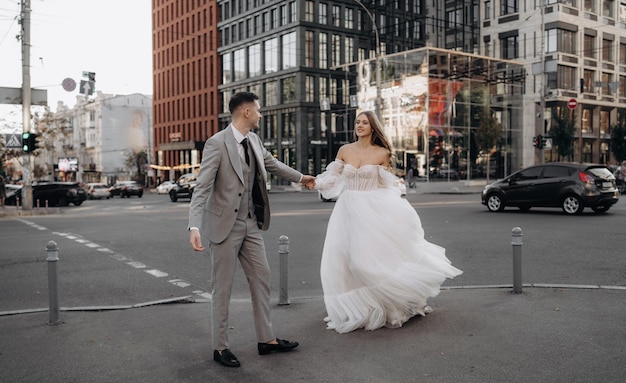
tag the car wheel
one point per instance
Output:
(495, 202)
(64, 201)
(524, 208)
(572, 205)
(173, 197)
(78, 203)
(140, 195)
(600, 209)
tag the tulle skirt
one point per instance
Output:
(377, 269)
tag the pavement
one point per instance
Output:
(482, 334)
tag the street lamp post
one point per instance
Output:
(378, 54)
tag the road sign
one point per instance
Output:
(87, 87)
(13, 141)
(572, 103)
(69, 84)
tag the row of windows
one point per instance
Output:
(609, 9)
(183, 28)
(175, 9)
(193, 47)
(186, 108)
(564, 41)
(185, 78)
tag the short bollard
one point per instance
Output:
(283, 251)
(53, 297)
(516, 241)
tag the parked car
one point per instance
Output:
(165, 187)
(183, 187)
(127, 189)
(570, 186)
(58, 194)
(398, 183)
(98, 190)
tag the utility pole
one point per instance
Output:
(544, 83)
(27, 190)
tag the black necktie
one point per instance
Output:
(244, 142)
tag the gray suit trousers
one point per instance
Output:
(244, 243)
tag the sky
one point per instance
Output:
(112, 38)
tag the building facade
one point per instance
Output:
(575, 52)
(186, 75)
(91, 141)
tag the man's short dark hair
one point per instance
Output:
(241, 98)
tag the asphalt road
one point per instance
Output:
(130, 251)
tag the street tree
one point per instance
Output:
(562, 133)
(488, 133)
(618, 136)
(136, 161)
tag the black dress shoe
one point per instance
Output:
(281, 346)
(227, 358)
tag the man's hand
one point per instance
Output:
(308, 182)
(195, 240)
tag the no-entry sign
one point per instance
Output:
(572, 103)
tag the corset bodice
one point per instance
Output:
(362, 179)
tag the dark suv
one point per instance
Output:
(126, 189)
(58, 193)
(184, 187)
(570, 186)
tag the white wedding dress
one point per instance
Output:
(377, 269)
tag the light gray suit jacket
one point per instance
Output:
(220, 184)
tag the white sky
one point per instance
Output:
(112, 38)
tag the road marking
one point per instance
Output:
(157, 273)
(136, 265)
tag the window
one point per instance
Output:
(349, 49)
(587, 120)
(283, 15)
(528, 174)
(309, 11)
(270, 127)
(608, 8)
(309, 89)
(622, 52)
(336, 51)
(293, 12)
(555, 172)
(509, 48)
(323, 52)
(289, 50)
(289, 126)
(588, 80)
(349, 18)
(487, 10)
(566, 77)
(605, 121)
(227, 71)
(508, 7)
(607, 50)
(254, 57)
(590, 6)
(336, 16)
(309, 49)
(607, 79)
(323, 14)
(289, 89)
(274, 18)
(271, 93)
(590, 46)
(271, 55)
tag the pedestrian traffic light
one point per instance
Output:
(29, 142)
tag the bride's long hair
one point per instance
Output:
(378, 135)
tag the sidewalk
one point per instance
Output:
(489, 334)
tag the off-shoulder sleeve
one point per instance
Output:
(331, 182)
(386, 179)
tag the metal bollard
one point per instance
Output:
(516, 241)
(283, 251)
(53, 297)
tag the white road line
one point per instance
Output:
(157, 273)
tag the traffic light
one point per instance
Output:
(536, 141)
(542, 141)
(29, 142)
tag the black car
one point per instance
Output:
(184, 187)
(126, 189)
(58, 194)
(570, 186)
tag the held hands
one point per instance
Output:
(308, 182)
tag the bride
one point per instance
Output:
(377, 269)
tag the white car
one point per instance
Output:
(97, 190)
(165, 187)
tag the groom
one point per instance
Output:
(230, 207)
